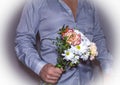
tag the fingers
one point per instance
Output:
(58, 70)
(53, 74)
(50, 73)
(52, 81)
(51, 77)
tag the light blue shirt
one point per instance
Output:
(46, 17)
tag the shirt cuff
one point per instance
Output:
(38, 66)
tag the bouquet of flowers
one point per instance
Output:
(73, 45)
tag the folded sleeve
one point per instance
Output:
(26, 37)
(104, 57)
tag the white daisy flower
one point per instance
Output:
(75, 59)
(83, 49)
(85, 56)
(68, 55)
(77, 31)
(77, 49)
(72, 49)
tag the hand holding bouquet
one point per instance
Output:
(73, 46)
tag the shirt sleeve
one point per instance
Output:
(26, 37)
(104, 57)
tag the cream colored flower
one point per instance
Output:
(93, 51)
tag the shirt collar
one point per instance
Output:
(65, 6)
(62, 1)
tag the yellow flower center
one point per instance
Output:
(78, 47)
(67, 53)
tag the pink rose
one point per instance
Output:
(72, 37)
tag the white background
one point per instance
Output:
(11, 72)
